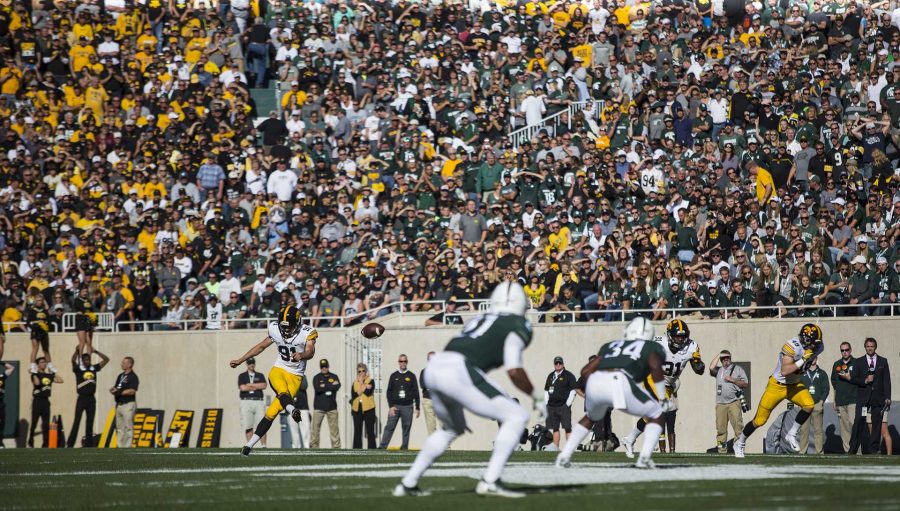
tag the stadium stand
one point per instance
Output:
(346, 156)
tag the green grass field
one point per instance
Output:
(219, 478)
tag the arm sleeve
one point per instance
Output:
(512, 351)
(336, 385)
(571, 398)
(415, 391)
(367, 391)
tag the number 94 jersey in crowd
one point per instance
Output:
(676, 361)
(287, 347)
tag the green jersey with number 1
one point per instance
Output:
(633, 357)
(483, 339)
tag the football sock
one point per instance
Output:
(579, 433)
(504, 445)
(635, 433)
(802, 417)
(434, 447)
(651, 437)
(261, 429)
(748, 430)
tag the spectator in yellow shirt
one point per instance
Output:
(765, 185)
(95, 97)
(10, 80)
(80, 54)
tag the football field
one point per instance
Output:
(273, 479)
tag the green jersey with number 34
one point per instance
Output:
(633, 357)
(493, 340)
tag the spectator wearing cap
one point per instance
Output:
(559, 393)
(862, 286)
(731, 379)
(325, 387)
(251, 385)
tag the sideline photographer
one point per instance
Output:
(731, 379)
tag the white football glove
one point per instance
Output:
(539, 405)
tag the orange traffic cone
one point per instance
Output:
(54, 434)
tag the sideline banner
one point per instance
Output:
(181, 424)
(148, 424)
(211, 425)
(108, 437)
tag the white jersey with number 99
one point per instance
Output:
(288, 347)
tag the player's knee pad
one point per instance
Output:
(284, 399)
(516, 415)
(446, 435)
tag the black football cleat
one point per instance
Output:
(245, 451)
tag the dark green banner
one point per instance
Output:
(11, 399)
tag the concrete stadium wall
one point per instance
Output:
(189, 370)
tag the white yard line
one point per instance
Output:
(530, 473)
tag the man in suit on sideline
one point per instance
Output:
(873, 380)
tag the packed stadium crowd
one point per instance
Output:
(712, 154)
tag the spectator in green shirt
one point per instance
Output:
(816, 380)
(844, 393)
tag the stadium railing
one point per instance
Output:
(553, 121)
(399, 308)
(470, 307)
(777, 312)
(105, 321)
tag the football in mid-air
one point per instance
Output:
(372, 330)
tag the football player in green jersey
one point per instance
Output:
(615, 380)
(456, 378)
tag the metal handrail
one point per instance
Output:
(618, 315)
(23, 326)
(105, 321)
(342, 321)
(727, 312)
(551, 122)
